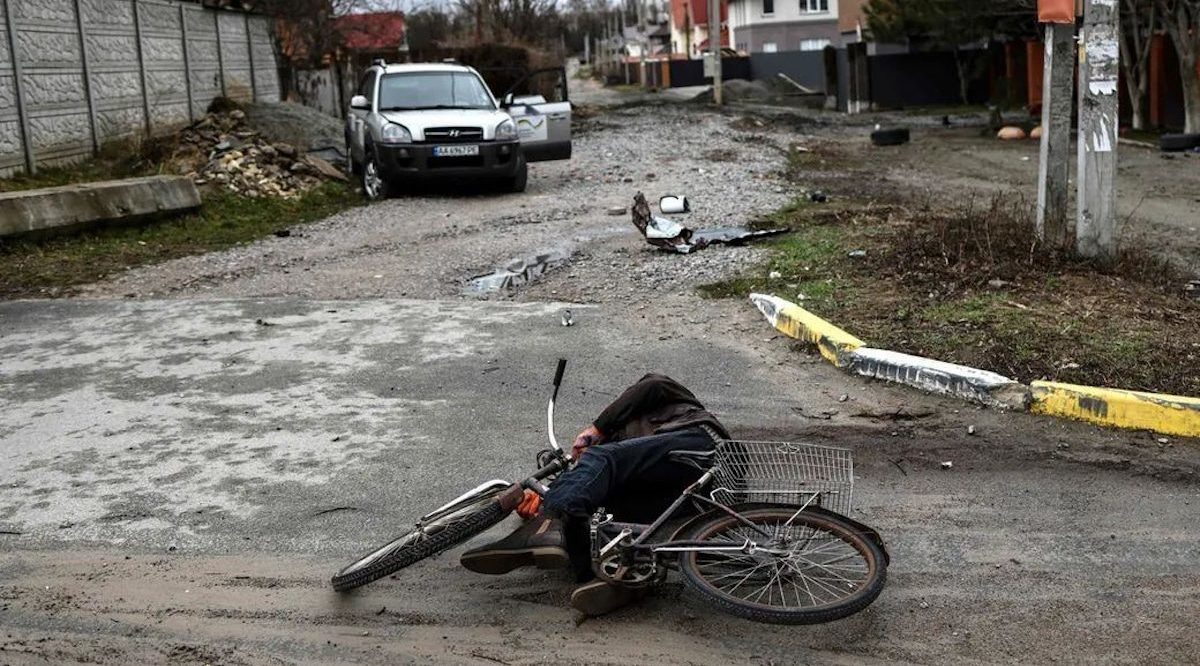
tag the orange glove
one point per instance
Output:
(529, 506)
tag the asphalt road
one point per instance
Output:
(180, 477)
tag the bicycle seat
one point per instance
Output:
(697, 459)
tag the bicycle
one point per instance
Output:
(767, 538)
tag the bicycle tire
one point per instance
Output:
(866, 592)
(486, 513)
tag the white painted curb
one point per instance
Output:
(927, 374)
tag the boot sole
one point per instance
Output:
(496, 562)
(596, 599)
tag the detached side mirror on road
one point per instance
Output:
(360, 103)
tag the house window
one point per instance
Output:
(770, 47)
(814, 6)
(813, 44)
(768, 7)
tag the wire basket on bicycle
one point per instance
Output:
(784, 473)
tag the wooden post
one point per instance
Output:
(250, 57)
(714, 47)
(1096, 225)
(1055, 171)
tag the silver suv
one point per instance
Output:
(415, 121)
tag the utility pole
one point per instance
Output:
(1055, 170)
(714, 46)
(1096, 226)
(645, 41)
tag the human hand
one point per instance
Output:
(589, 437)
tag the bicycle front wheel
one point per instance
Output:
(815, 569)
(424, 541)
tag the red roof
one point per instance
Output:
(377, 31)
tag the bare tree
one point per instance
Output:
(1139, 22)
(1182, 21)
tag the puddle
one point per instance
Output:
(516, 274)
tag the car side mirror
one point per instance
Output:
(360, 103)
(673, 204)
(507, 101)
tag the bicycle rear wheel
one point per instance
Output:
(817, 569)
(426, 540)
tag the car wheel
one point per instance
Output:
(518, 181)
(374, 185)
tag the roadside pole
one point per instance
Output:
(1097, 178)
(714, 47)
(1055, 169)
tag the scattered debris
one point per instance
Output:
(947, 464)
(843, 397)
(617, 211)
(516, 273)
(672, 204)
(898, 466)
(856, 254)
(283, 233)
(335, 510)
(774, 275)
(567, 318)
(669, 235)
(262, 322)
(818, 197)
(997, 283)
(971, 430)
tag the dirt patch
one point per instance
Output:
(970, 284)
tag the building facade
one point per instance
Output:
(770, 26)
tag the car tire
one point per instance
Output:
(1176, 143)
(518, 181)
(891, 137)
(375, 185)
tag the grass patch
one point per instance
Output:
(972, 286)
(51, 267)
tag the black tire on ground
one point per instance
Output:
(828, 527)
(1174, 143)
(406, 550)
(891, 137)
(517, 182)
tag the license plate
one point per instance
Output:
(455, 151)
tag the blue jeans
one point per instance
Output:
(608, 473)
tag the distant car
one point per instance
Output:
(417, 121)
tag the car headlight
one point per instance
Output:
(393, 133)
(506, 131)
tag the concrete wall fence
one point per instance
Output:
(76, 74)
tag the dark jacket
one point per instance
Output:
(655, 404)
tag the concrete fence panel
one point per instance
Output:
(76, 74)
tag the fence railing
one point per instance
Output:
(76, 74)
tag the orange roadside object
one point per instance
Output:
(529, 506)
(1056, 11)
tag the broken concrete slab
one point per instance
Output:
(88, 203)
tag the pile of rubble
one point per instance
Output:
(222, 150)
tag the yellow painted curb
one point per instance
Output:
(1166, 414)
(796, 322)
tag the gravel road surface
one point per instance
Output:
(194, 449)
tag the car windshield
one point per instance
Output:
(433, 90)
